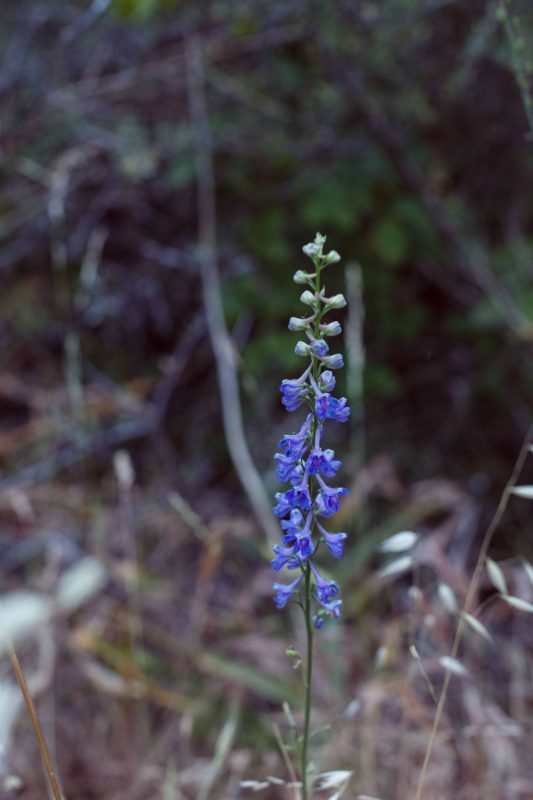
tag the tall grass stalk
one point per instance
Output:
(41, 742)
(472, 588)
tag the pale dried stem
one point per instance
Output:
(472, 589)
(208, 256)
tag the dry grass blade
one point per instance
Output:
(472, 588)
(43, 750)
(222, 752)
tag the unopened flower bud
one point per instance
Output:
(326, 382)
(333, 362)
(302, 349)
(319, 347)
(310, 250)
(303, 277)
(331, 258)
(337, 301)
(331, 328)
(298, 324)
(308, 298)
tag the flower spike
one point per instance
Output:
(302, 461)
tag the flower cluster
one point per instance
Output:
(302, 462)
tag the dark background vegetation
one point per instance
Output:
(399, 130)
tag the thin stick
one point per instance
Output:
(504, 500)
(43, 750)
(218, 333)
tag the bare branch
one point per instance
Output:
(220, 339)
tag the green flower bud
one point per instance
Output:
(302, 349)
(337, 301)
(303, 277)
(331, 328)
(308, 298)
(298, 324)
(310, 250)
(331, 258)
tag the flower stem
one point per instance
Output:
(309, 627)
(308, 680)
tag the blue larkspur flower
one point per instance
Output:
(334, 541)
(284, 558)
(284, 591)
(327, 499)
(294, 391)
(298, 496)
(322, 460)
(326, 590)
(293, 445)
(298, 535)
(302, 461)
(331, 609)
(288, 470)
(328, 407)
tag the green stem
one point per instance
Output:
(308, 680)
(307, 607)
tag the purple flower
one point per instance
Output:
(294, 391)
(288, 469)
(332, 609)
(285, 591)
(284, 558)
(293, 445)
(302, 462)
(327, 499)
(298, 537)
(321, 460)
(326, 590)
(334, 541)
(297, 496)
(327, 407)
(292, 526)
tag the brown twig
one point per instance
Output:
(43, 750)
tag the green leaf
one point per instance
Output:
(391, 241)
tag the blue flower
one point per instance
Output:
(288, 469)
(292, 526)
(284, 558)
(334, 541)
(321, 460)
(298, 537)
(285, 591)
(293, 445)
(327, 407)
(302, 462)
(326, 590)
(297, 496)
(327, 499)
(332, 609)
